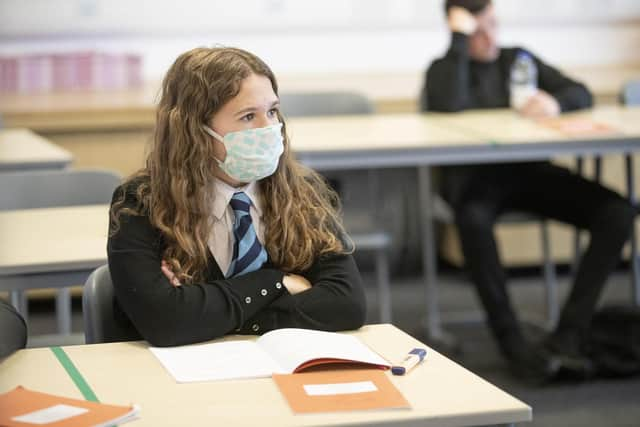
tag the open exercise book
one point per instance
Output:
(24, 407)
(283, 351)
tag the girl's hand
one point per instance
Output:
(295, 283)
(166, 269)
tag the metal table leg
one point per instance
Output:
(635, 268)
(577, 245)
(63, 311)
(429, 264)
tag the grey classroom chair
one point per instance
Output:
(630, 94)
(13, 330)
(55, 188)
(100, 325)
(443, 212)
(294, 104)
(298, 104)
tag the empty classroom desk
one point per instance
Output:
(51, 247)
(22, 149)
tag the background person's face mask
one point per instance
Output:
(252, 154)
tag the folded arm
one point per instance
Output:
(168, 315)
(334, 302)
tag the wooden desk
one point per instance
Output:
(506, 127)
(480, 136)
(22, 149)
(51, 248)
(374, 141)
(422, 141)
(440, 392)
(624, 119)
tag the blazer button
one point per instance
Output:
(263, 292)
(255, 327)
(247, 300)
(278, 285)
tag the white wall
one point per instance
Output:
(311, 36)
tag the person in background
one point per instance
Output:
(13, 330)
(476, 73)
(223, 231)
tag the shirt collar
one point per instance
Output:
(223, 192)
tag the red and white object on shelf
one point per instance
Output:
(88, 70)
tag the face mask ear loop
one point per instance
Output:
(213, 133)
(216, 135)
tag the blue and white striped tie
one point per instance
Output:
(248, 252)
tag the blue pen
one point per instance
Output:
(414, 357)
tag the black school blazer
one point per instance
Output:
(254, 303)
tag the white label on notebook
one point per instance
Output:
(340, 388)
(50, 414)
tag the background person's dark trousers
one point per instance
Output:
(479, 194)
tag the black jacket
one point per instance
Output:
(254, 303)
(456, 82)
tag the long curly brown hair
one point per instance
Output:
(300, 211)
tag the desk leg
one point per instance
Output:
(19, 301)
(635, 268)
(429, 264)
(577, 246)
(63, 311)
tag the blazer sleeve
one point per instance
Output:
(165, 315)
(335, 301)
(447, 84)
(570, 94)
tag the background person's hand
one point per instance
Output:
(166, 269)
(295, 283)
(462, 21)
(541, 105)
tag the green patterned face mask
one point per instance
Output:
(252, 154)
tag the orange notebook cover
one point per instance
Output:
(340, 390)
(578, 126)
(23, 407)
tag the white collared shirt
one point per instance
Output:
(221, 239)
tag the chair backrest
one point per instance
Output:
(47, 188)
(100, 325)
(296, 104)
(13, 330)
(630, 94)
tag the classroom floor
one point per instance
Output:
(612, 403)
